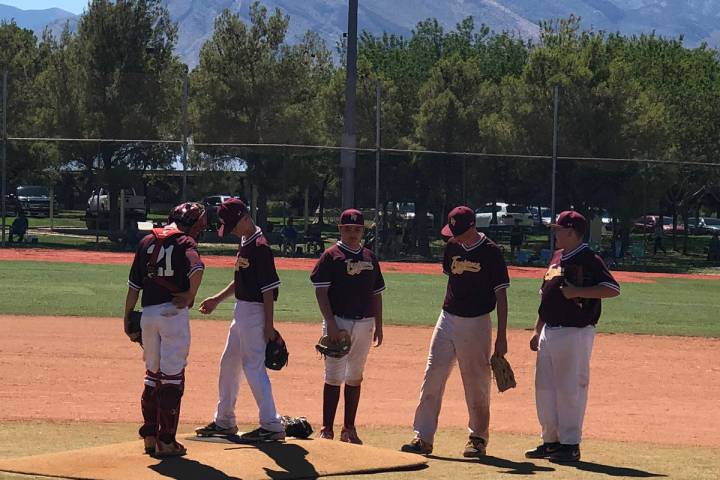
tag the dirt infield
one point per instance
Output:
(643, 388)
(306, 264)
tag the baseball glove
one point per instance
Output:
(276, 353)
(134, 325)
(504, 376)
(297, 427)
(339, 349)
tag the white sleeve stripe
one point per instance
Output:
(502, 286)
(134, 286)
(379, 290)
(321, 284)
(195, 269)
(272, 286)
(610, 285)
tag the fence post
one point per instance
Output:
(4, 152)
(377, 167)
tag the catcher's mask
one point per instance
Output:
(190, 217)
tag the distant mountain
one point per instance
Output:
(37, 20)
(696, 20)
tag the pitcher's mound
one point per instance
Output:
(213, 460)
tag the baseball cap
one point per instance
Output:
(230, 213)
(352, 217)
(571, 219)
(460, 219)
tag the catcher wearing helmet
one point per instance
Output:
(168, 270)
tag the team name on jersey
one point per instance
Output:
(553, 271)
(355, 267)
(458, 267)
(241, 262)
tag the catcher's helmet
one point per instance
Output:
(190, 217)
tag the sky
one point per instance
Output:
(73, 6)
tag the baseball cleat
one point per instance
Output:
(213, 429)
(326, 433)
(475, 447)
(349, 435)
(172, 449)
(419, 446)
(261, 435)
(566, 454)
(149, 445)
(543, 451)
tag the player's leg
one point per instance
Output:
(334, 374)
(252, 324)
(229, 378)
(473, 346)
(440, 362)
(361, 336)
(545, 386)
(149, 323)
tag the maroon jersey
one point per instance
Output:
(580, 267)
(474, 273)
(176, 262)
(352, 278)
(255, 271)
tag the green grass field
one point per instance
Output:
(668, 307)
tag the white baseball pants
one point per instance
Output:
(166, 339)
(245, 354)
(467, 340)
(349, 369)
(562, 375)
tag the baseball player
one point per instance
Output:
(348, 285)
(255, 287)
(477, 282)
(574, 283)
(168, 270)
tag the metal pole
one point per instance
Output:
(377, 167)
(554, 163)
(97, 219)
(347, 157)
(4, 152)
(185, 135)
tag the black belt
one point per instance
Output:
(351, 317)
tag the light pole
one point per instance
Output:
(347, 157)
(556, 104)
(4, 151)
(377, 167)
(185, 133)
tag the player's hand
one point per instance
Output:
(333, 331)
(270, 333)
(208, 305)
(378, 337)
(534, 342)
(501, 347)
(182, 299)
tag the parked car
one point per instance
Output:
(703, 225)
(33, 200)
(406, 210)
(98, 214)
(212, 205)
(504, 213)
(646, 224)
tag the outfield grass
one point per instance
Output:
(668, 307)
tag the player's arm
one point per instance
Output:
(130, 301)
(535, 340)
(502, 311)
(323, 299)
(377, 313)
(209, 304)
(269, 307)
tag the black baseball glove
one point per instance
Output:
(276, 353)
(297, 427)
(338, 349)
(134, 330)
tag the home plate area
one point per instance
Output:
(215, 458)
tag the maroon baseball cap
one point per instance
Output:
(352, 217)
(460, 219)
(571, 219)
(230, 213)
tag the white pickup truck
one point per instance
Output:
(132, 203)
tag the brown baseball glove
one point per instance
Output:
(338, 349)
(503, 373)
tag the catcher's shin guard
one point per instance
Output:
(169, 395)
(148, 405)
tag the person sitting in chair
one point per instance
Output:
(289, 237)
(19, 227)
